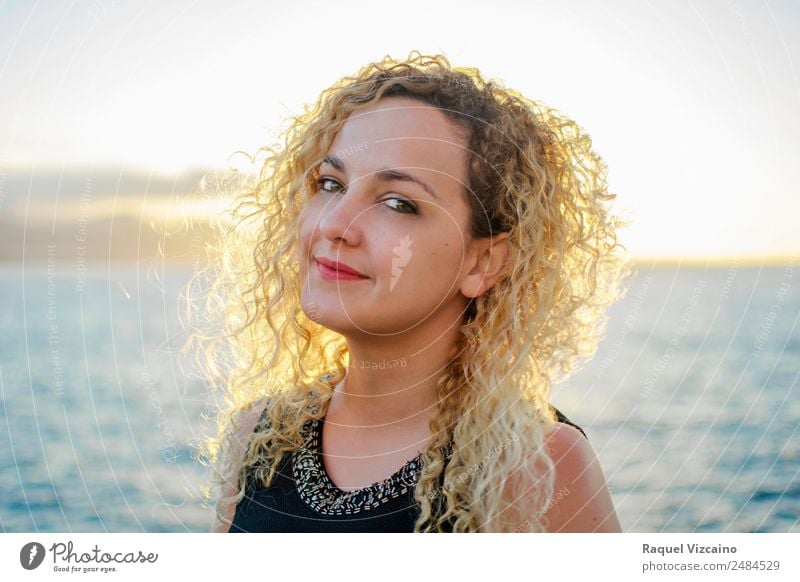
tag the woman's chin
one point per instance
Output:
(337, 319)
(353, 324)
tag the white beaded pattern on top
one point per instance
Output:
(320, 494)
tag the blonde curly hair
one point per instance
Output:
(531, 172)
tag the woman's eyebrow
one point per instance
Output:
(335, 162)
(386, 175)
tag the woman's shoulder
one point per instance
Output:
(246, 421)
(582, 502)
(243, 424)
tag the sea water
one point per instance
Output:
(691, 401)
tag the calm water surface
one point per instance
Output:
(691, 402)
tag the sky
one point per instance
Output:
(694, 106)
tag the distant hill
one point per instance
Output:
(97, 215)
(120, 239)
(48, 183)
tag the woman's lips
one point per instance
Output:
(329, 272)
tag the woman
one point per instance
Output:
(432, 253)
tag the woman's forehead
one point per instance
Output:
(401, 132)
(402, 117)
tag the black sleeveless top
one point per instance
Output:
(302, 497)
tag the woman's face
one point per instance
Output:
(390, 205)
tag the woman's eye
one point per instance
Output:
(405, 206)
(324, 182)
(402, 206)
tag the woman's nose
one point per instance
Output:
(341, 215)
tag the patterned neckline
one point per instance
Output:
(318, 491)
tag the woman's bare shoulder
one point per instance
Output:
(581, 501)
(248, 418)
(246, 421)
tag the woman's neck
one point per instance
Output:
(391, 384)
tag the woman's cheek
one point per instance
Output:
(308, 220)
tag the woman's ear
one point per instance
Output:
(489, 259)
